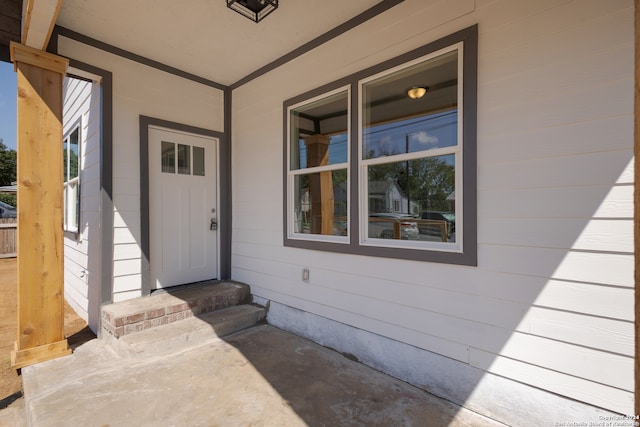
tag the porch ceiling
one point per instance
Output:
(10, 22)
(204, 37)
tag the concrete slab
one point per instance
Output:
(14, 415)
(261, 376)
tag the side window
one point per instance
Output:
(71, 187)
(402, 184)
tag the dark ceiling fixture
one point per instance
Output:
(255, 10)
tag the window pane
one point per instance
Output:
(65, 160)
(198, 161)
(74, 154)
(320, 203)
(394, 123)
(319, 132)
(168, 157)
(184, 159)
(413, 200)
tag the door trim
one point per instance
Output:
(224, 220)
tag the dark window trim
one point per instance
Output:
(469, 38)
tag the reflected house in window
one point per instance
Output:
(339, 209)
(451, 202)
(387, 196)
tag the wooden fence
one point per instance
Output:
(8, 237)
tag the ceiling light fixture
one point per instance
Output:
(255, 10)
(417, 92)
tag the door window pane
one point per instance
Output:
(198, 161)
(184, 159)
(168, 157)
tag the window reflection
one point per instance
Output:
(416, 195)
(198, 161)
(411, 194)
(327, 117)
(168, 157)
(320, 203)
(184, 159)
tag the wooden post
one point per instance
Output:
(40, 207)
(320, 185)
(636, 203)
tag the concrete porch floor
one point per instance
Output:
(261, 376)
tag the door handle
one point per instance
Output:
(213, 225)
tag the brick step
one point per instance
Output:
(162, 308)
(188, 333)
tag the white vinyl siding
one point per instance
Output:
(82, 248)
(141, 90)
(550, 303)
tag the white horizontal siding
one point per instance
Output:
(82, 254)
(141, 90)
(550, 303)
(123, 296)
(597, 202)
(550, 172)
(126, 251)
(579, 234)
(601, 395)
(126, 283)
(586, 330)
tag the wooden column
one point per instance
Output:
(320, 185)
(40, 207)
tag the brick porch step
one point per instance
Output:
(162, 308)
(188, 333)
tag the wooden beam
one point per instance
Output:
(636, 203)
(320, 185)
(47, 61)
(38, 20)
(40, 236)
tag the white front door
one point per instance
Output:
(183, 213)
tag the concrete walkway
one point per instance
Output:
(262, 376)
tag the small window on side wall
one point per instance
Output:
(408, 175)
(71, 178)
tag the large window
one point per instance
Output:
(71, 172)
(384, 163)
